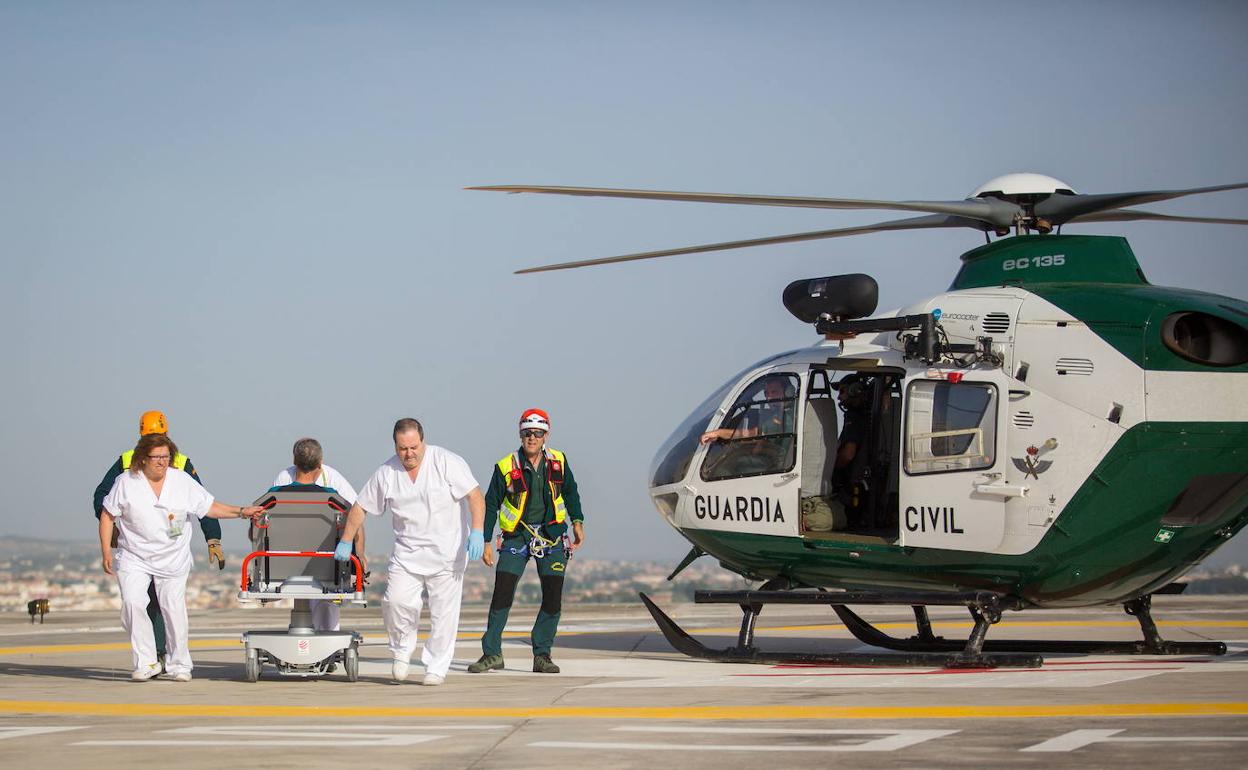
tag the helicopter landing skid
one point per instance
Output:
(969, 655)
(925, 641)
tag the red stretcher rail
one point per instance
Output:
(331, 503)
(359, 570)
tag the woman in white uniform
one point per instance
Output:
(151, 505)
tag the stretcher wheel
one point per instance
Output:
(253, 665)
(351, 664)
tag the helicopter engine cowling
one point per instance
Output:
(834, 297)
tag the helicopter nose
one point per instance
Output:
(666, 503)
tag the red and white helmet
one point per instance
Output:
(534, 419)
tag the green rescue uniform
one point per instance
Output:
(538, 515)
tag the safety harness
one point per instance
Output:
(538, 545)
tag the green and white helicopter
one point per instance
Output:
(1051, 432)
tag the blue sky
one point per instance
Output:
(251, 215)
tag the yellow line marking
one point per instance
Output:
(218, 643)
(204, 644)
(53, 649)
(750, 713)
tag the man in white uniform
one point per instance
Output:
(425, 489)
(310, 473)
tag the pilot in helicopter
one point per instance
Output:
(769, 413)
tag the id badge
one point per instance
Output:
(174, 530)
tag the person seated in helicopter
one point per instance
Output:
(853, 396)
(758, 434)
(771, 416)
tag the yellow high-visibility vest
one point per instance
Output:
(512, 468)
(179, 460)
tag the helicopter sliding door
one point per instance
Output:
(951, 462)
(748, 477)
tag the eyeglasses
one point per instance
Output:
(532, 433)
(158, 458)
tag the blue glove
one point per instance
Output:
(476, 544)
(343, 551)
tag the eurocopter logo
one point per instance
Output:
(1031, 464)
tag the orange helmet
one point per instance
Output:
(152, 422)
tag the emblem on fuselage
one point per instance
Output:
(1031, 464)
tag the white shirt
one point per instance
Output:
(143, 521)
(430, 514)
(328, 478)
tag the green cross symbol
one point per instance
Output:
(1163, 536)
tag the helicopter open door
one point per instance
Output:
(850, 433)
(951, 490)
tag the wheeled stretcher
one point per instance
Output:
(293, 558)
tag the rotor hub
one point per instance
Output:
(1013, 186)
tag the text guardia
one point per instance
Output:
(719, 508)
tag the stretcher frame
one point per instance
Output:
(300, 651)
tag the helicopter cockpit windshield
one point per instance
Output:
(671, 462)
(758, 436)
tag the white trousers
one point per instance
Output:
(133, 581)
(324, 615)
(401, 607)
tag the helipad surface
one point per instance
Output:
(625, 699)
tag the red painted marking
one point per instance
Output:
(1047, 663)
(1106, 662)
(956, 671)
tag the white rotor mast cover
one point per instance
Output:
(1022, 183)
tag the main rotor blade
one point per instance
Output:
(1135, 215)
(1060, 209)
(996, 212)
(915, 223)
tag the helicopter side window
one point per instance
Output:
(950, 426)
(758, 436)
